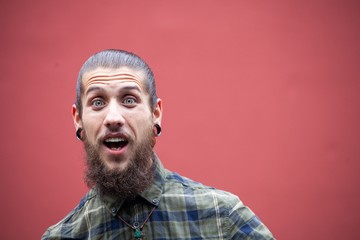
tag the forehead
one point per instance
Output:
(108, 75)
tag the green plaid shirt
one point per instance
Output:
(184, 209)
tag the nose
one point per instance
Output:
(114, 118)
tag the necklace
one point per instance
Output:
(137, 230)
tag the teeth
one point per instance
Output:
(115, 140)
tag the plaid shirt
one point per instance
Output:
(184, 209)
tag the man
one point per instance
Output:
(117, 115)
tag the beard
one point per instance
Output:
(126, 183)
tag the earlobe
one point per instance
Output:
(157, 129)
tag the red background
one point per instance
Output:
(261, 98)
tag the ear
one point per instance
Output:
(76, 117)
(157, 113)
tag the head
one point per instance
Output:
(117, 109)
(114, 59)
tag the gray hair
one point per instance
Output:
(113, 59)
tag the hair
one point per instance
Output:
(113, 59)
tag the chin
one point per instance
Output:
(117, 165)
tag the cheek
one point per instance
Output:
(91, 127)
(142, 124)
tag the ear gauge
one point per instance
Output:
(157, 129)
(78, 134)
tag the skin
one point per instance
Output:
(115, 104)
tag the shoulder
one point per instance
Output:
(74, 224)
(236, 220)
(180, 190)
(176, 184)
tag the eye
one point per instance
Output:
(97, 103)
(129, 101)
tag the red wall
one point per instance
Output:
(261, 98)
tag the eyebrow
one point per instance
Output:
(136, 87)
(96, 88)
(92, 89)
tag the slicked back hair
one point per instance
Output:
(114, 59)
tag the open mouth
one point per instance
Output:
(115, 143)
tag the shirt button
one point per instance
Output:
(155, 201)
(113, 210)
(136, 224)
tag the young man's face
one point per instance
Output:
(116, 115)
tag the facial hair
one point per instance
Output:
(126, 183)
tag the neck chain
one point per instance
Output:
(137, 230)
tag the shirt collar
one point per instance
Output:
(154, 192)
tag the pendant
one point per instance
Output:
(137, 234)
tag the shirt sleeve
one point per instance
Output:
(244, 224)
